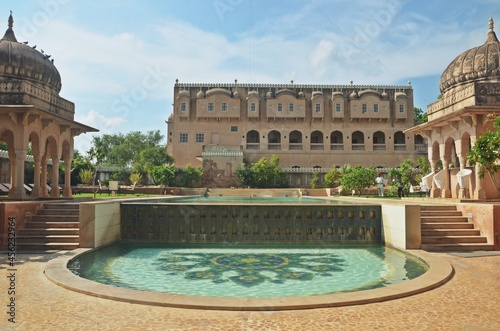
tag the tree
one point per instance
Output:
(486, 152)
(403, 175)
(358, 178)
(333, 177)
(268, 173)
(163, 174)
(245, 175)
(189, 176)
(419, 116)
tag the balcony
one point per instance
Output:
(253, 146)
(379, 147)
(274, 146)
(295, 147)
(358, 147)
(400, 147)
(317, 147)
(336, 147)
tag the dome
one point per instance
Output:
(20, 61)
(482, 62)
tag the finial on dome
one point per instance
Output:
(11, 21)
(492, 37)
(491, 24)
(9, 34)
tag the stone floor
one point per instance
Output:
(470, 301)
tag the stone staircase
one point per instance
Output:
(444, 228)
(54, 227)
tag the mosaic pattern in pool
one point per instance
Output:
(242, 271)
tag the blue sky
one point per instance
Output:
(119, 59)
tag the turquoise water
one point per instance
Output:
(246, 200)
(240, 271)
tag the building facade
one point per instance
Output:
(470, 88)
(309, 127)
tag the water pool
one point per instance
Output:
(240, 271)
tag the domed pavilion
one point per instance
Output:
(470, 100)
(34, 116)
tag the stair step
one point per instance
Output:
(55, 218)
(49, 231)
(49, 224)
(442, 219)
(450, 232)
(46, 246)
(48, 238)
(440, 213)
(447, 225)
(73, 212)
(453, 239)
(457, 247)
(438, 207)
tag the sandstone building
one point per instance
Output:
(310, 127)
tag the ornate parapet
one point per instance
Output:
(488, 94)
(16, 92)
(452, 100)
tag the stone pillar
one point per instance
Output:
(18, 184)
(445, 189)
(434, 190)
(43, 181)
(54, 192)
(462, 193)
(13, 173)
(479, 192)
(67, 178)
(36, 192)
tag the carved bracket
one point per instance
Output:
(46, 123)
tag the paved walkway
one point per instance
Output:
(470, 302)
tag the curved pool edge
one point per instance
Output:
(440, 271)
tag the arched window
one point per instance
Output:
(274, 140)
(399, 141)
(253, 140)
(295, 139)
(358, 141)
(336, 141)
(379, 141)
(317, 140)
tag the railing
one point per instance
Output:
(317, 147)
(421, 148)
(253, 146)
(379, 147)
(295, 147)
(274, 146)
(336, 147)
(358, 147)
(400, 147)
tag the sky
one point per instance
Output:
(119, 59)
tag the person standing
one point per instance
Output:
(379, 181)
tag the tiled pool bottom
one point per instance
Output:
(439, 272)
(243, 271)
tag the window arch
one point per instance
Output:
(295, 140)
(358, 141)
(317, 140)
(336, 141)
(274, 140)
(379, 141)
(399, 141)
(253, 140)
